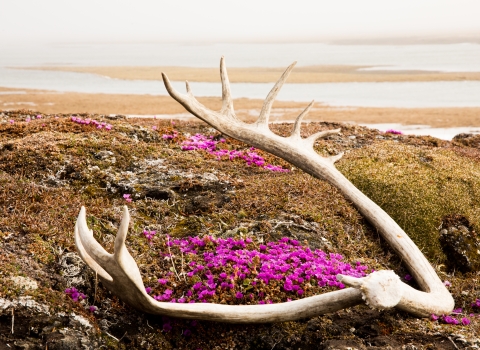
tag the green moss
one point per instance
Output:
(417, 187)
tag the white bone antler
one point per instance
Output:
(382, 289)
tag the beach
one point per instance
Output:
(246, 109)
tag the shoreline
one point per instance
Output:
(51, 102)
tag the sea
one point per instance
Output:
(460, 57)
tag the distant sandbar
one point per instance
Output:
(308, 74)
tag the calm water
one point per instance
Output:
(411, 94)
(452, 57)
(441, 133)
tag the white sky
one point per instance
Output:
(23, 21)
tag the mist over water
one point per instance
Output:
(441, 57)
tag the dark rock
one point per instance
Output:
(342, 345)
(469, 140)
(157, 192)
(460, 244)
(57, 341)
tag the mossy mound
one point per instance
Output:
(417, 187)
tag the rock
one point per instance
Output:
(25, 282)
(460, 244)
(342, 345)
(103, 154)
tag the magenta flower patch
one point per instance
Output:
(202, 142)
(75, 294)
(238, 270)
(91, 122)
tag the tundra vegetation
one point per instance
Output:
(188, 202)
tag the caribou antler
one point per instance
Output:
(382, 289)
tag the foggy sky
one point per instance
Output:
(23, 21)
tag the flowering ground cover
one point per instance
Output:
(242, 271)
(210, 145)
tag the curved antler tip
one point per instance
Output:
(83, 214)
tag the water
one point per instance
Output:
(404, 94)
(451, 57)
(441, 133)
(446, 57)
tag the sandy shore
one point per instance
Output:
(310, 74)
(55, 102)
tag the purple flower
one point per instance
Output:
(433, 317)
(92, 308)
(450, 320)
(167, 327)
(127, 198)
(239, 295)
(392, 131)
(465, 321)
(75, 294)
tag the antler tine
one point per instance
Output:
(267, 105)
(187, 87)
(227, 102)
(119, 247)
(89, 249)
(336, 158)
(298, 121)
(320, 135)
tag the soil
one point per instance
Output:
(51, 166)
